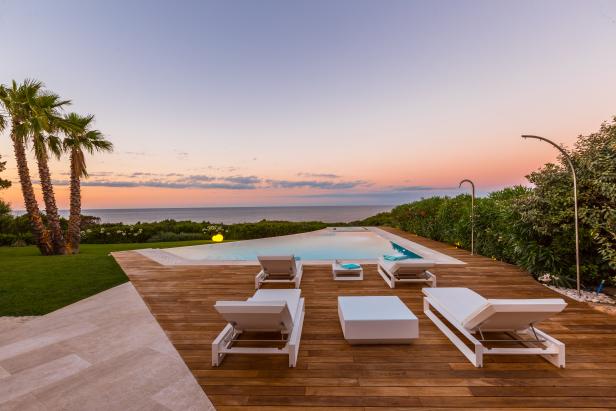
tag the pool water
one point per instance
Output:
(327, 244)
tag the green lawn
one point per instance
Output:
(31, 284)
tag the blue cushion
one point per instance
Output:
(350, 266)
(395, 257)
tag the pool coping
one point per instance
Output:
(169, 259)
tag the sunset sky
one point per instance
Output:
(315, 102)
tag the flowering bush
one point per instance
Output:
(112, 233)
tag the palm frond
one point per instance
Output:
(39, 145)
(54, 145)
(81, 138)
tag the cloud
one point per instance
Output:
(207, 181)
(92, 173)
(420, 188)
(228, 179)
(160, 184)
(139, 174)
(242, 179)
(197, 178)
(325, 185)
(227, 169)
(318, 175)
(135, 153)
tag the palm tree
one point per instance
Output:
(2, 119)
(45, 121)
(80, 138)
(19, 103)
(3, 183)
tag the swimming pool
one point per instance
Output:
(361, 244)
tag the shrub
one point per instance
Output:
(170, 236)
(170, 230)
(380, 219)
(534, 227)
(12, 239)
(266, 228)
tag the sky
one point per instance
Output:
(245, 103)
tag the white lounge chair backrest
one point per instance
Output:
(256, 315)
(283, 265)
(515, 314)
(411, 267)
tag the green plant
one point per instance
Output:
(169, 236)
(533, 227)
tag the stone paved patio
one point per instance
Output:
(106, 352)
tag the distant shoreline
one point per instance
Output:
(235, 214)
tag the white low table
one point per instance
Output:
(377, 320)
(346, 274)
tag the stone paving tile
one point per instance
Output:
(106, 352)
(25, 381)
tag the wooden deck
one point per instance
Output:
(331, 374)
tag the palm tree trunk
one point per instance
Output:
(57, 237)
(74, 221)
(41, 234)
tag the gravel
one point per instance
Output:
(598, 301)
(585, 297)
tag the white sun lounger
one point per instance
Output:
(472, 315)
(267, 311)
(279, 269)
(406, 271)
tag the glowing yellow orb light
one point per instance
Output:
(217, 238)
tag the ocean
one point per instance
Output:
(230, 215)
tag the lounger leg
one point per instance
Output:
(432, 278)
(557, 357)
(478, 356)
(220, 343)
(391, 282)
(259, 279)
(296, 335)
(298, 277)
(474, 356)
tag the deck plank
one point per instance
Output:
(428, 374)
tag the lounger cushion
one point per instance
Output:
(256, 315)
(458, 302)
(411, 267)
(266, 310)
(471, 310)
(518, 314)
(291, 297)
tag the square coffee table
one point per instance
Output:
(346, 274)
(377, 320)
